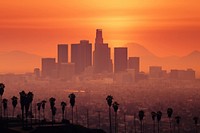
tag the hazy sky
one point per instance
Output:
(165, 27)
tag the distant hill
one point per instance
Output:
(172, 62)
(18, 61)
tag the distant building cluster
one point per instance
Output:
(99, 62)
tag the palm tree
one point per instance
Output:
(2, 86)
(38, 108)
(178, 118)
(52, 104)
(5, 106)
(115, 107)
(63, 104)
(196, 122)
(109, 99)
(43, 108)
(22, 102)
(159, 116)
(54, 113)
(141, 117)
(14, 104)
(169, 113)
(72, 102)
(153, 115)
(29, 99)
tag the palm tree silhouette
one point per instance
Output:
(63, 104)
(38, 108)
(54, 113)
(141, 117)
(72, 103)
(52, 104)
(196, 119)
(5, 106)
(29, 99)
(153, 115)
(22, 102)
(159, 116)
(14, 104)
(169, 114)
(2, 86)
(43, 108)
(115, 107)
(178, 118)
(109, 99)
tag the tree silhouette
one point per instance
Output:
(169, 114)
(22, 103)
(153, 115)
(38, 108)
(115, 107)
(5, 106)
(178, 118)
(43, 108)
(72, 103)
(2, 86)
(52, 104)
(159, 116)
(109, 99)
(54, 113)
(141, 117)
(29, 99)
(14, 104)
(196, 119)
(63, 104)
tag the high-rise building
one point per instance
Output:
(102, 61)
(49, 67)
(66, 71)
(81, 55)
(155, 72)
(120, 59)
(134, 63)
(62, 53)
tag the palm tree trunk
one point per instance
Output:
(178, 129)
(43, 114)
(110, 120)
(141, 126)
(135, 125)
(170, 125)
(31, 115)
(1, 107)
(13, 113)
(158, 127)
(39, 117)
(72, 114)
(23, 118)
(154, 126)
(115, 122)
(124, 123)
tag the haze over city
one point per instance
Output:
(115, 66)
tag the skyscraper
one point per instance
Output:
(62, 53)
(81, 55)
(120, 59)
(134, 63)
(49, 67)
(102, 60)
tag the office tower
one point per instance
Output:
(81, 55)
(134, 63)
(155, 72)
(102, 60)
(49, 67)
(188, 74)
(62, 53)
(66, 71)
(37, 72)
(120, 59)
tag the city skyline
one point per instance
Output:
(161, 26)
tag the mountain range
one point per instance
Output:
(20, 62)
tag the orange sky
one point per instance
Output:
(165, 27)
